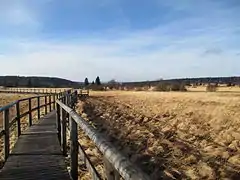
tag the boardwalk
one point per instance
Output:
(37, 154)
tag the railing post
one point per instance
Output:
(54, 101)
(50, 103)
(58, 122)
(73, 149)
(75, 99)
(18, 119)
(63, 133)
(6, 137)
(68, 103)
(67, 98)
(64, 99)
(110, 172)
(45, 98)
(30, 111)
(38, 105)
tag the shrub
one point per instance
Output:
(95, 87)
(178, 87)
(139, 89)
(170, 87)
(162, 87)
(230, 84)
(211, 87)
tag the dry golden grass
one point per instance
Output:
(8, 98)
(219, 89)
(172, 135)
(5, 99)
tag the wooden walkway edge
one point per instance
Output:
(36, 154)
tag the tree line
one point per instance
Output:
(53, 82)
(47, 82)
(229, 81)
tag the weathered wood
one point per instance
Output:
(73, 149)
(54, 101)
(45, 99)
(121, 163)
(68, 98)
(6, 130)
(37, 155)
(95, 175)
(75, 99)
(13, 121)
(30, 111)
(24, 114)
(64, 99)
(18, 119)
(68, 101)
(38, 107)
(110, 172)
(63, 133)
(8, 106)
(50, 103)
(58, 122)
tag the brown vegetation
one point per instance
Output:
(170, 87)
(171, 135)
(211, 87)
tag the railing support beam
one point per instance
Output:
(73, 149)
(63, 132)
(58, 122)
(110, 172)
(6, 137)
(18, 119)
(30, 111)
(38, 109)
(50, 103)
(45, 99)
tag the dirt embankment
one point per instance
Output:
(172, 135)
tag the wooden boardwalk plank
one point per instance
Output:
(37, 154)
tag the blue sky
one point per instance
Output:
(126, 40)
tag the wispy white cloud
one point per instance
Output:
(122, 59)
(203, 44)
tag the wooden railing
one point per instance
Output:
(33, 90)
(81, 92)
(116, 164)
(8, 123)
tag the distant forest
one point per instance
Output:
(49, 82)
(52, 82)
(230, 81)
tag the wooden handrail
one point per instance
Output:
(31, 91)
(8, 123)
(116, 164)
